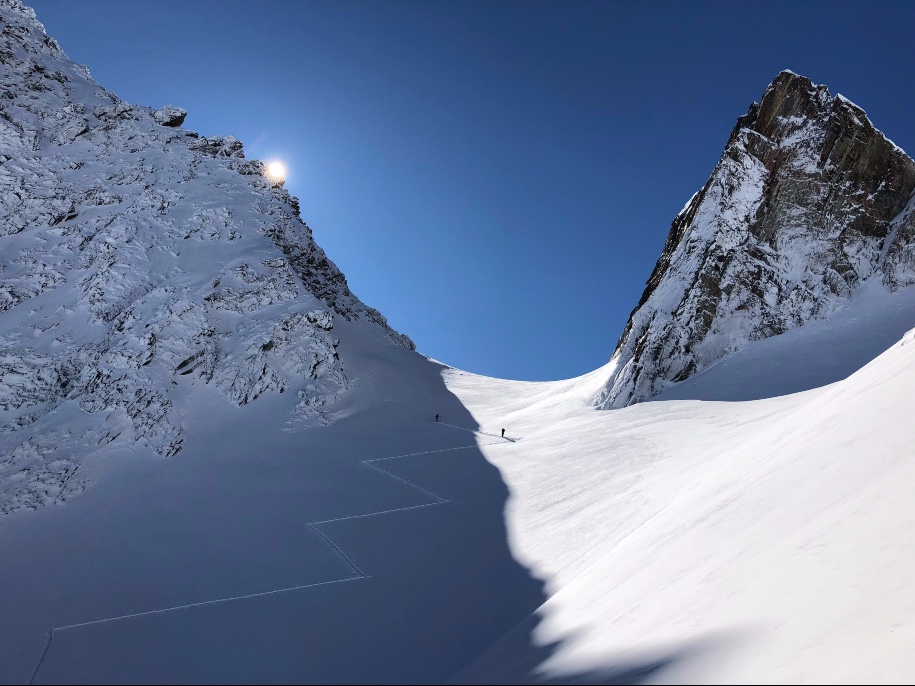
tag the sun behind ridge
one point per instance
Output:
(276, 171)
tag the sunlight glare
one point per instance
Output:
(276, 171)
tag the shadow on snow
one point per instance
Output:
(210, 566)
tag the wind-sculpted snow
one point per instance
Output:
(808, 201)
(137, 261)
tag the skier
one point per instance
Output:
(503, 433)
(436, 417)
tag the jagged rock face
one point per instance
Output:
(136, 257)
(807, 201)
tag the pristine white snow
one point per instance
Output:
(749, 542)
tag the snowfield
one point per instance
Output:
(676, 540)
(767, 541)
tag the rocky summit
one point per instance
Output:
(136, 256)
(807, 202)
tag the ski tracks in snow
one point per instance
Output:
(314, 526)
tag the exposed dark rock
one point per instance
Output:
(807, 201)
(219, 146)
(170, 116)
(121, 110)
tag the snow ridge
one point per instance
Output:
(138, 259)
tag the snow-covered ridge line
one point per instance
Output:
(137, 259)
(807, 202)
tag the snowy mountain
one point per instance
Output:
(273, 486)
(137, 258)
(807, 202)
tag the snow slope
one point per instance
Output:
(679, 540)
(216, 463)
(766, 541)
(262, 555)
(169, 329)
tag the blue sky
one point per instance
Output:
(497, 178)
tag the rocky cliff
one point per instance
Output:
(136, 256)
(807, 202)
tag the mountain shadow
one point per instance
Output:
(175, 570)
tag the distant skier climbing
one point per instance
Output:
(503, 433)
(436, 417)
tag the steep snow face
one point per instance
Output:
(715, 542)
(135, 259)
(807, 202)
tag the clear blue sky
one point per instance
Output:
(497, 178)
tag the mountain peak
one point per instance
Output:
(807, 201)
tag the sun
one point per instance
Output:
(276, 171)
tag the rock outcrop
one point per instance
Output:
(170, 116)
(218, 146)
(138, 260)
(808, 201)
